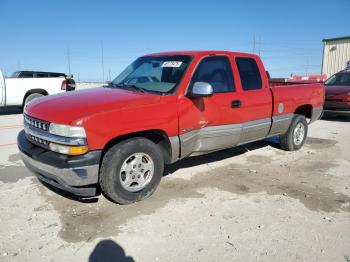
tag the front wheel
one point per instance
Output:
(131, 170)
(296, 134)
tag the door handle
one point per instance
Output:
(236, 104)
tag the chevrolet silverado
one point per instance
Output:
(160, 109)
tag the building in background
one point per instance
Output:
(336, 55)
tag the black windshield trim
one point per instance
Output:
(160, 57)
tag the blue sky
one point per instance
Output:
(35, 35)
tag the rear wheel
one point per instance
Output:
(131, 170)
(296, 134)
(31, 97)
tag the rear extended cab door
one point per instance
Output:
(254, 96)
(232, 115)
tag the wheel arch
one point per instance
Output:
(34, 91)
(304, 110)
(159, 137)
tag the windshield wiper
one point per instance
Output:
(135, 87)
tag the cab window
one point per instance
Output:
(25, 75)
(249, 73)
(215, 70)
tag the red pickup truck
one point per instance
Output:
(160, 109)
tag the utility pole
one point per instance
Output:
(257, 46)
(254, 45)
(109, 74)
(68, 60)
(259, 50)
(307, 67)
(102, 63)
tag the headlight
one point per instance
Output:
(67, 131)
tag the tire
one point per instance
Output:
(121, 164)
(296, 134)
(31, 97)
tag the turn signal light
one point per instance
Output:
(68, 150)
(79, 150)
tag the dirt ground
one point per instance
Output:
(251, 203)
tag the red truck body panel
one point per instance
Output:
(108, 113)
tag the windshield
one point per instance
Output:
(14, 75)
(340, 79)
(157, 74)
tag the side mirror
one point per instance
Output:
(201, 89)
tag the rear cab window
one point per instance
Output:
(249, 73)
(40, 75)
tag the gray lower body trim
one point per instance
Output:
(79, 176)
(209, 139)
(213, 138)
(280, 124)
(316, 114)
(175, 148)
(255, 130)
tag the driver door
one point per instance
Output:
(210, 123)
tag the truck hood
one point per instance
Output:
(70, 107)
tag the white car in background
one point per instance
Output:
(20, 91)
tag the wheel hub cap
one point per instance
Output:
(136, 172)
(299, 134)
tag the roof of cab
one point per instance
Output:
(199, 53)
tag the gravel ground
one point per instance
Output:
(251, 203)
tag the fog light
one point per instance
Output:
(68, 150)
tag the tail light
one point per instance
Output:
(64, 85)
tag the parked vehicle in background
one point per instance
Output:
(160, 109)
(20, 91)
(70, 83)
(295, 79)
(308, 78)
(338, 94)
(36, 74)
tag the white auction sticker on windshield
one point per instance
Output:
(172, 64)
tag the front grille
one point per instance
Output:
(40, 124)
(39, 140)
